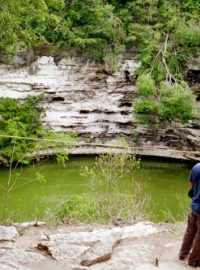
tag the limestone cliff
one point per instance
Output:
(85, 97)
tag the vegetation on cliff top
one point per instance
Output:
(104, 27)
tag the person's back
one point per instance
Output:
(194, 178)
(191, 240)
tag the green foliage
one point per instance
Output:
(22, 119)
(106, 180)
(109, 202)
(188, 35)
(110, 169)
(77, 209)
(166, 34)
(170, 102)
(176, 103)
(27, 23)
(146, 105)
(91, 25)
(99, 27)
(21, 136)
(146, 85)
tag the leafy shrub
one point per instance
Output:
(22, 119)
(19, 119)
(109, 201)
(169, 102)
(146, 85)
(77, 209)
(106, 180)
(145, 105)
(188, 35)
(176, 103)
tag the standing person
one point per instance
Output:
(191, 240)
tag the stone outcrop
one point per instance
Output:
(99, 252)
(8, 233)
(85, 97)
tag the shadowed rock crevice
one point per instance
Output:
(57, 99)
(193, 76)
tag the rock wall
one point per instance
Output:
(85, 97)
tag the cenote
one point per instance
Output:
(165, 182)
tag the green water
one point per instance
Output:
(166, 183)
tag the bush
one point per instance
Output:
(77, 209)
(109, 201)
(106, 180)
(169, 102)
(146, 106)
(188, 35)
(103, 208)
(22, 119)
(19, 119)
(176, 103)
(146, 85)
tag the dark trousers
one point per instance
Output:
(191, 240)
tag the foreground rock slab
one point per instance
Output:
(143, 246)
(88, 248)
(99, 252)
(8, 233)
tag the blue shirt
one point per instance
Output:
(195, 179)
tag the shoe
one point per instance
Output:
(194, 264)
(182, 257)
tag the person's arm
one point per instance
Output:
(190, 184)
(191, 179)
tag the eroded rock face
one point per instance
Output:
(78, 94)
(82, 96)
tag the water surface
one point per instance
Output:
(166, 183)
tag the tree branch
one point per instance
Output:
(169, 76)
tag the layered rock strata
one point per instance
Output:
(85, 97)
